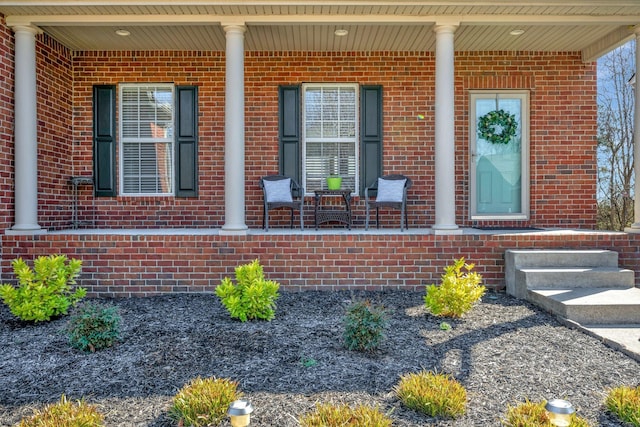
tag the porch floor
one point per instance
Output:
(329, 231)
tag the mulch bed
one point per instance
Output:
(504, 351)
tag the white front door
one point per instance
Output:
(499, 177)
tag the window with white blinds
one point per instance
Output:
(146, 139)
(330, 135)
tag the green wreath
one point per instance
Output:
(497, 127)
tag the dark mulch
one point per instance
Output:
(504, 351)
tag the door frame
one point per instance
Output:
(524, 95)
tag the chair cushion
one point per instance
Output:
(278, 191)
(390, 190)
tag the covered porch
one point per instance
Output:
(234, 57)
(240, 71)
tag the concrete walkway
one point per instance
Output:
(624, 338)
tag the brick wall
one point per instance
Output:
(6, 126)
(144, 265)
(55, 137)
(563, 119)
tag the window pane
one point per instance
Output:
(146, 167)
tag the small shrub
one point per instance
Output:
(457, 292)
(94, 327)
(45, 291)
(252, 297)
(342, 415)
(445, 326)
(624, 402)
(364, 326)
(534, 414)
(65, 414)
(436, 395)
(204, 402)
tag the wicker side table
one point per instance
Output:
(333, 212)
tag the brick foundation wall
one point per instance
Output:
(144, 265)
(563, 126)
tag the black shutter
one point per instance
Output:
(289, 131)
(187, 141)
(104, 140)
(370, 135)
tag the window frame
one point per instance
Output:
(355, 140)
(169, 141)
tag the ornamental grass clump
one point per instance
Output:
(253, 297)
(459, 290)
(364, 326)
(624, 402)
(534, 414)
(65, 414)
(45, 291)
(328, 415)
(437, 395)
(94, 327)
(204, 402)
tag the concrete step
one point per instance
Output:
(595, 306)
(516, 259)
(563, 258)
(575, 277)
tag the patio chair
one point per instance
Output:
(281, 192)
(391, 192)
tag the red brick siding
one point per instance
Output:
(143, 265)
(7, 67)
(55, 137)
(563, 117)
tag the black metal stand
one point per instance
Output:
(77, 181)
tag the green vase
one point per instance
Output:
(334, 182)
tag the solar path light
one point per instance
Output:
(559, 412)
(240, 413)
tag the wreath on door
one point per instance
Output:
(497, 127)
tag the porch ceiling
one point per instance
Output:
(591, 27)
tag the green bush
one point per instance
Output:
(342, 415)
(45, 291)
(94, 327)
(204, 402)
(364, 326)
(534, 414)
(253, 297)
(436, 395)
(624, 402)
(457, 292)
(65, 414)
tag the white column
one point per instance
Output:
(25, 132)
(445, 182)
(234, 209)
(635, 227)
